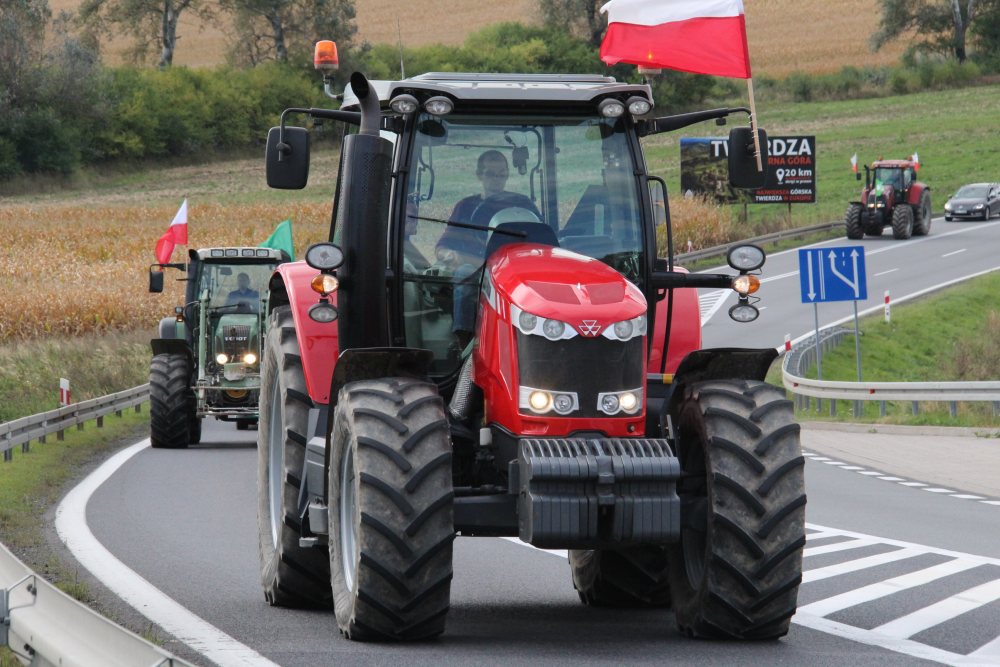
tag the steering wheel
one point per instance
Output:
(484, 213)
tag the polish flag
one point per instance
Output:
(854, 163)
(916, 162)
(177, 234)
(697, 36)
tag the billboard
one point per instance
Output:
(791, 171)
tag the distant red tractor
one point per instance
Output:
(892, 196)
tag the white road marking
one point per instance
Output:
(966, 496)
(990, 502)
(859, 564)
(938, 490)
(820, 458)
(868, 472)
(884, 272)
(834, 463)
(839, 546)
(852, 468)
(891, 479)
(912, 484)
(563, 553)
(151, 602)
(954, 253)
(709, 304)
(938, 613)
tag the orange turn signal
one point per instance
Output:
(326, 55)
(746, 285)
(325, 284)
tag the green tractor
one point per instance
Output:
(206, 361)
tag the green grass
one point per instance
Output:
(770, 248)
(953, 335)
(956, 133)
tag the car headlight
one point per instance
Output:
(541, 401)
(613, 402)
(947, 206)
(980, 207)
(627, 329)
(528, 323)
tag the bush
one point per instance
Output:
(801, 86)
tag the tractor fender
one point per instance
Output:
(171, 346)
(685, 329)
(318, 342)
(168, 327)
(916, 191)
(723, 363)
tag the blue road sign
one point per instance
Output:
(833, 274)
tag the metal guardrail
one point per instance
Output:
(721, 250)
(36, 427)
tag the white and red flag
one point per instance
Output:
(916, 162)
(697, 36)
(177, 234)
(854, 163)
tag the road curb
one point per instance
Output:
(900, 429)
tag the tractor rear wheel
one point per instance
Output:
(922, 215)
(171, 417)
(292, 575)
(736, 573)
(902, 222)
(853, 221)
(391, 510)
(635, 577)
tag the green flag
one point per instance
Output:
(281, 239)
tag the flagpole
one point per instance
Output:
(753, 124)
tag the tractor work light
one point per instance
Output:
(439, 106)
(638, 106)
(404, 104)
(249, 252)
(744, 312)
(250, 358)
(613, 402)
(324, 256)
(746, 258)
(218, 252)
(746, 285)
(262, 253)
(323, 312)
(232, 252)
(541, 401)
(222, 358)
(611, 108)
(325, 56)
(324, 283)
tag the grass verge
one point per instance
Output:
(950, 336)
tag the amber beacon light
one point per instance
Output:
(326, 56)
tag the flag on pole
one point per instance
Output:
(854, 163)
(176, 235)
(697, 36)
(281, 239)
(916, 162)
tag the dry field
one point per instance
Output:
(785, 35)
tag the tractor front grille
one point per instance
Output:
(235, 340)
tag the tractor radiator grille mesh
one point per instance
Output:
(235, 339)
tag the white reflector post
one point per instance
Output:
(63, 391)
(887, 318)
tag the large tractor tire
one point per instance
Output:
(292, 575)
(636, 577)
(902, 222)
(922, 215)
(737, 577)
(171, 415)
(391, 510)
(853, 221)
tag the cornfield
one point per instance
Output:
(75, 271)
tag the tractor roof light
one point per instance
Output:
(649, 71)
(746, 285)
(611, 108)
(325, 58)
(325, 284)
(404, 104)
(638, 106)
(324, 256)
(439, 105)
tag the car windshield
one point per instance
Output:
(972, 192)
(566, 181)
(235, 288)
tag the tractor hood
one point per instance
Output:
(558, 284)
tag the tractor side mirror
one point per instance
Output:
(858, 176)
(287, 162)
(659, 200)
(743, 171)
(155, 281)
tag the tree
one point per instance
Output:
(278, 29)
(943, 24)
(149, 22)
(581, 18)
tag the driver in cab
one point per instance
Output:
(243, 294)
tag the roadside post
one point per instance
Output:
(888, 319)
(834, 274)
(63, 401)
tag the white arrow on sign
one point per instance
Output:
(833, 267)
(809, 261)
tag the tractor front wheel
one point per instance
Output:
(635, 577)
(736, 571)
(902, 222)
(922, 215)
(852, 219)
(172, 420)
(391, 511)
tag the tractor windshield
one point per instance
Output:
(234, 288)
(889, 176)
(573, 177)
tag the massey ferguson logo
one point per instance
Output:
(590, 328)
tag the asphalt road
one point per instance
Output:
(952, 250)
(185, 521)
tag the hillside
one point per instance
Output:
(785, 35)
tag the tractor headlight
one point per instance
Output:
(746, 258)
(744, 312)
(250, 358)
(613, 402)
(626, 329)
(553, 329)
(528, 323)
(541, 401)
(222, 358)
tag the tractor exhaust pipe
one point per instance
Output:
(371, 114)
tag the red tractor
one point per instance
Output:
(892, 196)
(488, 346)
